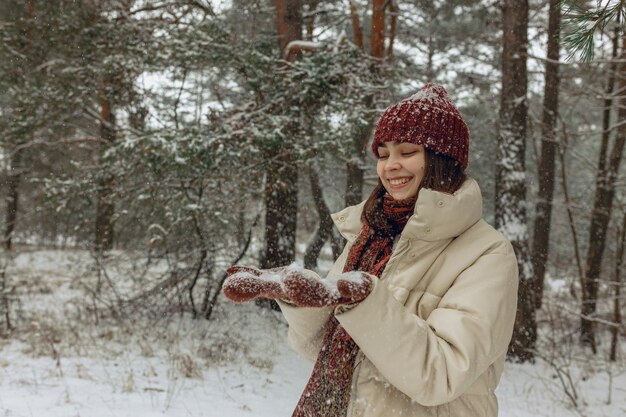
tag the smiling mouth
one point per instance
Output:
(396, 183)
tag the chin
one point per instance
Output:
(401, 196)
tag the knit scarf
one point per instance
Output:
(327, 393)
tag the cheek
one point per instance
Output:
(421, 164)
(417, 166)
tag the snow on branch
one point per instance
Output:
(299, 46)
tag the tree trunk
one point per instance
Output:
(14, 173)
(362, 133)
(541, 235)
(617, 311)
(354, 171)
(511, 170)
(337, 243)
(310, 20)
(325, 226)
(281, 210)
(13, 184)
(377, 42)
(5, 310)
(570, 216)
(601, 213)
(281, 175)
(105, 208)
(357, 31)
(289, 23)
(241, 226)
(393, 14)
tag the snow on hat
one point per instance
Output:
(427, 118)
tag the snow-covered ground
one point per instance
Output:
(60, 362)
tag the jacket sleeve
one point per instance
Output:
(307, 325)
(306, 328)
(434, 361)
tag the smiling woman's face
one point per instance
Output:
(401, 167)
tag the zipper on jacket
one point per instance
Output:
(392, 265)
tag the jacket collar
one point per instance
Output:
(437, 215)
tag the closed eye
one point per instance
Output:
(409, 153)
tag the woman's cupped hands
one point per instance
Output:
(296, 286)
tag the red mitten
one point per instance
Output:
(354, 286)
(247, 283)
(346, 288)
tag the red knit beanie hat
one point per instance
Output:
(427, 118)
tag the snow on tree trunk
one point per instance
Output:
(510, 215)
(541, 235)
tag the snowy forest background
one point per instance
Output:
(148, 145)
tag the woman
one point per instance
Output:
(415, 316)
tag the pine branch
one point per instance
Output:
(580, 24)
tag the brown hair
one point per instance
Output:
(442, 174)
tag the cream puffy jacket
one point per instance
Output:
(434, 331)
